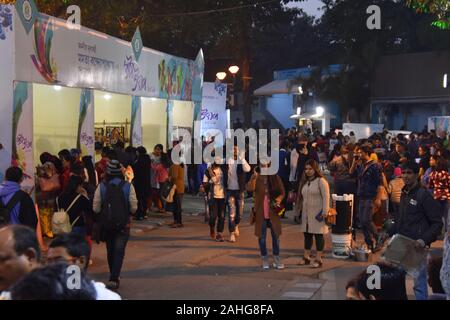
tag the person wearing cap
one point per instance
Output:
(116, 241)
(395, 190)
(419, 218)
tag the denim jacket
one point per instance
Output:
(369, 179)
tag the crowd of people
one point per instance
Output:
(401, 178)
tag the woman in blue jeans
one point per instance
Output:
(269, 191)
(445, 270)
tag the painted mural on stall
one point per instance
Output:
(136, 122)
(176, 79)
(6, 21)
(22, 126)
(85, 134)
(87, 58)
(42, 59)
(440, 124)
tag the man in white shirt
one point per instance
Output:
(73, 249)
(235, 170)
(293, 165)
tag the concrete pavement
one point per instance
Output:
(184, 263)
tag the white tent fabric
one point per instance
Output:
(277, 87)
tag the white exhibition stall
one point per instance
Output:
(62, 86)
(362, 130)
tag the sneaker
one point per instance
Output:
(232, 237)
(212, 233)
(113, 285)
(219, 237)
(265, 263)
(236, 231)
(277, 263)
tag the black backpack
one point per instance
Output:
(5, 210)
(115, 212)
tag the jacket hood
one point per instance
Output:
(8, 187)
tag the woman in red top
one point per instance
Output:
(66, 159)
(439, 183)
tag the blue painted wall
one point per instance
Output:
(418, 115)
(281, 105)
(281, 108)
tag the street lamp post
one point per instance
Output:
(233, 70)
(221, 75)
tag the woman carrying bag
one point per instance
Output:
(269, 194)
(75, 204)
(49, 188)
(313, 204)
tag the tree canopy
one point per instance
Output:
(261, 36)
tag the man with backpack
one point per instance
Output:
(16, 206)
(114, 201)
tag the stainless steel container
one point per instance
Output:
(362, 255)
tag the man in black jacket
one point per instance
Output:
(141, 181)
(420, 218)
(17, 205)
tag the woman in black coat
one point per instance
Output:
(141, 181)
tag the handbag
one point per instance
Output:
(292, 197)
(278, 208)
(168, 191)
(253, 216)
(169, 198)
(61, 220)
(330, 219)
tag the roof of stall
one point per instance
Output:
(54, 52)
(410, 78)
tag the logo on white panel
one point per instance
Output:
(27, 11)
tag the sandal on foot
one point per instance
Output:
(317, 264)
(305, 261)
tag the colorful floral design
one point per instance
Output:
(5, 21)
(43, 36)
(20, 144)
(135, 108)
(85, 101)
(175, 79)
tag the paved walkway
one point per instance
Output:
(184, 263)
